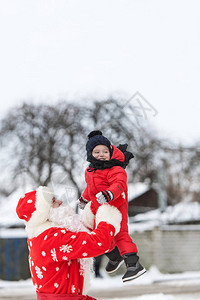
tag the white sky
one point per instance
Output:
(52, 50)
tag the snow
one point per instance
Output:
(12, 233)
(150, 297)
(8, 215)
(156, 297)
(180, 213)
(136, 189)
(153, 276)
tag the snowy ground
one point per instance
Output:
(161, 297)
(153, 279)
(185, 286)
(152, 276)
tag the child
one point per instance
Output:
(106, 182)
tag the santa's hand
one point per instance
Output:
(81, 202)
(104, 197)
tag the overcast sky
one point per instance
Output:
(72, 49)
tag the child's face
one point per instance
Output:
(101, 152)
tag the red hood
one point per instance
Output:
(117, 154)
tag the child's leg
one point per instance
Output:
(124, 245)
(124, 241)
(128, 251)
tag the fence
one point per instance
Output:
(13, 258)
(171, 249)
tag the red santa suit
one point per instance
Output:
(59, 254)
(113, 179)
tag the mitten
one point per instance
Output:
(81, 202)
(104, 197)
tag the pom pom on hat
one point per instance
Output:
(93, 133)
(96, 138)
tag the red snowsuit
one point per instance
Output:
(115, 180)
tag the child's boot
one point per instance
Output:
(115, 260)
(134, 268)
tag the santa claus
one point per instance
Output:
(60, 246)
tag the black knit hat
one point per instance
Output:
(96, 138)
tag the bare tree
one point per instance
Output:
(42, 139)
(183, 173)
(121, 127)
(45, 144)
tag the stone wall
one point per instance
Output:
(170, 248)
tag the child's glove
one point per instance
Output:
(81, 202)
(104, 197)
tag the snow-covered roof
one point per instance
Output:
(182, 212)
(136, 189)
(178, 214)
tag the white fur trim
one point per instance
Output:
(86, 282)
(109, 214)
(88, 216)
(33, 231)
(44, 196)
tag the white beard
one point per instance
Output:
(65, 217)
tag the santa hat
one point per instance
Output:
(34, 206)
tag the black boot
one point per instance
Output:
(134, 268)
(115, 260)
(97, 265)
